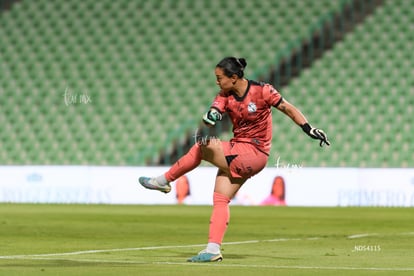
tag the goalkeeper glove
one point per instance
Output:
(212, 116)
(315, 133)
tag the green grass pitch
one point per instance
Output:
(40, 239)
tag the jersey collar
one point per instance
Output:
(237, 97)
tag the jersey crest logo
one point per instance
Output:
(252, 107)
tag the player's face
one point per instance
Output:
(225, 83)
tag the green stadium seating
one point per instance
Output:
(148, 68)
(368, 79)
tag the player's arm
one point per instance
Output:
(291, 111)
(297, 116)
(216, 110)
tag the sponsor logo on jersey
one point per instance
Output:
(252, 107)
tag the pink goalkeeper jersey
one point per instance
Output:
(251, 114)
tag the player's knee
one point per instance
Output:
(211, 145)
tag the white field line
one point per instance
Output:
(29, 256)
(52, 256)
(298, 267)
(358, 236)
(99, 251)
(364, 235)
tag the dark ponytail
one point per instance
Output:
(242, 62)
(232, 65)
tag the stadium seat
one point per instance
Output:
(147, 66)
(368, 74)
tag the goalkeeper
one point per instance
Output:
(248, 104)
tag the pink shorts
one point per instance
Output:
(244, 159)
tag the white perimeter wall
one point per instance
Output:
(118, 185)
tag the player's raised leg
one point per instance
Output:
(210, 151)
(185, 164)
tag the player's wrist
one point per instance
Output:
(310, 131)
(316, 133)
(306, 127)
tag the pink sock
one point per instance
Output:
(219, 218)
(185, 164)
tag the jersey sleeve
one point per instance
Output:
(271, 95)
(219, 102)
